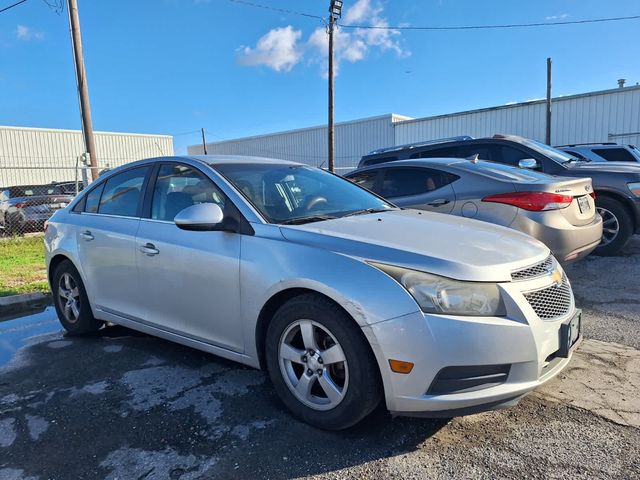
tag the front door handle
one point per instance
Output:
(149, 249)
(439, 202)
(87, 235)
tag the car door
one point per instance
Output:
(188, 280)
(418, 187)
(106, 239)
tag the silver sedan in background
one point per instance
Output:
(343, 298)
(558, 211)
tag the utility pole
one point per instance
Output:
(83, 89)
(204, 142)
(548, 132)
(335, 11)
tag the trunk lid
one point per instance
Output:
(582, 209)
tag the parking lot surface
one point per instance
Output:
(123, 405)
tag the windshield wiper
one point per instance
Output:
(366, 211)
(309, 219)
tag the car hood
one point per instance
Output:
(603, 167)
(445, 245)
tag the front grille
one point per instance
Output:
(535, 271)
(552, 302)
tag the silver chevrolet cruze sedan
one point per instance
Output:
(342, 297)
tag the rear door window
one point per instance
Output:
(614, 154)
(122, 193)
(407, 181)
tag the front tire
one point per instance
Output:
(617, 226)
(320, 363)
(71, 301)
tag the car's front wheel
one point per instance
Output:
(71, 301)
(321, 364)
(617, 226)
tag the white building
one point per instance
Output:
(603, 116)
(39, 155)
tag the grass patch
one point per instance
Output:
(22, 268)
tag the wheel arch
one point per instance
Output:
(272, 305)
(625, 202)
(56, 260)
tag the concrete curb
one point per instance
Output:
(17, 305)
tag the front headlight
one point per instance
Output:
(443, 295)
(635, 188)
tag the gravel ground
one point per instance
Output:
(123, 405)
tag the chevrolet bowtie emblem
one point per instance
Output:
(556, 276)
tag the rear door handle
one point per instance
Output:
(439, 202)
(149, 249)
(87, 235)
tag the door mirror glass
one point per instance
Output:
(528, 163)
(200, 217)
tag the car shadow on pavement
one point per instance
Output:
(126, 405)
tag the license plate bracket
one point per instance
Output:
(583, 204)
(570, 335)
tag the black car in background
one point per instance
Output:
(616, 184)
(25, 208)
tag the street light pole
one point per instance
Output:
(83, 89)
(335, 11)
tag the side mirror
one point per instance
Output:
(528, 163)
(201, 217)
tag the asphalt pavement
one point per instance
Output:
(123, 405)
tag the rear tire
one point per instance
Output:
(350, 366)
(617, 226)
(71, 301)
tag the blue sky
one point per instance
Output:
(173, 66)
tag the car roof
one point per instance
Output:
(240, 159)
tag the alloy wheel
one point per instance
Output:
(313, 365)
(69, 297)
(610, 226)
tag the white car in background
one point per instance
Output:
(342, 297)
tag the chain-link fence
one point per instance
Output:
(31, 190)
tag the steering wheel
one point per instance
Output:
(313, 201)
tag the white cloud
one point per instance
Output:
(281, 49)
(353, 45)
(552, 18)
(26, 34)
(278, 49)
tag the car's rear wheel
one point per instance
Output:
(617, 226)
(71, 301)
(321, 364)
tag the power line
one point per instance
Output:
(276, 9)
(492, 27)
(11, 6)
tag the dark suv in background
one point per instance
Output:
(616, 184)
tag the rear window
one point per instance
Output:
(614, 154)
(35, 190)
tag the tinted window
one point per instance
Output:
(402, 182)
(447, 152)
(614, 154)
(123, 192)
(365, 179)
(180, 186)
(92, 199)
(576, 154)
(376, 161)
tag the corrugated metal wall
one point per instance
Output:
(36, 155)
(607, 116)
(309, 145)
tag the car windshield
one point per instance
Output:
(290, 194)
(35, 190)
(550, 152)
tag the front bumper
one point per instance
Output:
(524, 342)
